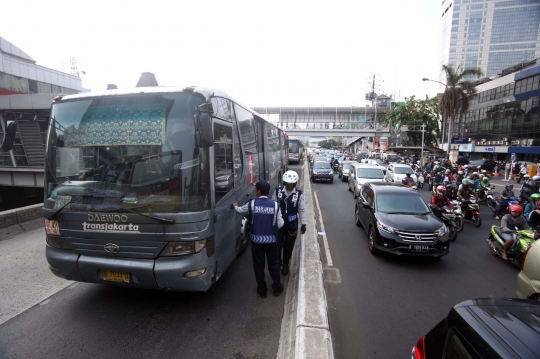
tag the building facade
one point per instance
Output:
(504, 118)
(492, 35)
(26, 93)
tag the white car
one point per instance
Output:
(397, 172)
(370, 161)
(361, 173)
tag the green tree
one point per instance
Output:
(416, 113)
(331, 142)
(457, 95)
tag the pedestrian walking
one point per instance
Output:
(293, 209)
(263, 224)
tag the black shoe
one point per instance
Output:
(278, 292)
(285, 269)
(262, 294)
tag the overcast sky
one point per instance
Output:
(271, 53)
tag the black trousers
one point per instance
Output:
(286, 243)
(270, 251)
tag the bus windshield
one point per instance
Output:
(293, 147)
(124, 151)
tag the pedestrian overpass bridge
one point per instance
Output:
(328, 121)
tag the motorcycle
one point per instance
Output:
(404, 182)
(522, 241)
(336, 167)
(494, 203)
(448, 216)
(471, 213)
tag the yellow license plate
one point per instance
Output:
(116, 276)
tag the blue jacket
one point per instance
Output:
(531, 206)
(289, 207)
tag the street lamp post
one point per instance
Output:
(450, 123)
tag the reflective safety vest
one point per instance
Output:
(289, 207)
(263, 214)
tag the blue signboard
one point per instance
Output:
(460, 140)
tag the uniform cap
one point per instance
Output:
(262, 185)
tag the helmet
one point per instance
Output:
(408, 174)
(465, 181)
(526, 176)
(484, 171)
(509, 187)
(536, 178)
(436, 162)
(459, 172)
(440, 190)
(466, 166)
(475, 173)
(485, 179)
(447, 172)
(534, 196)
(515, 208)
(290, 177)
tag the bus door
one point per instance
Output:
(225, 229)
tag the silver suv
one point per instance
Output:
(361, 173)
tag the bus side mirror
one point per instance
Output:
(205, 133)
(9, 137)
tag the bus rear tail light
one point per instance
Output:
(183, 248)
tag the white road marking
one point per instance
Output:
(325, 240)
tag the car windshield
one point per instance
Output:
(322, 166)
(477, 163)
(403, 203)
(123, 150)
(347, 166)
(403, 170)
(379, 162)
(372, 173)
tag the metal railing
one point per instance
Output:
(333, 126)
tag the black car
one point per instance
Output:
(322, 171)
(398, 221)
(478, 165)
(485, 328)
(461, 160)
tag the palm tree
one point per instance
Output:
(459, 91)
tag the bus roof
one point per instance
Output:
(206, 92)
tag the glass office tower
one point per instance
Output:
(490, 34)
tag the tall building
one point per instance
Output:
(490, 34)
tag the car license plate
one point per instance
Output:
(113, 276)
(414, 248)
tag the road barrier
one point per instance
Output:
(17, 216)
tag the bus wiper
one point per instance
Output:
(55, 213)
(132, 210)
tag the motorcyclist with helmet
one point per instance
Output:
(293, 208)
(527, 188)
(460, 177)
(484, 184)
(465, 192)
(503, 204)
(510, 223)
(533, 205)
(408, 180)
(440, 199)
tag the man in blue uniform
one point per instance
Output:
(264, 222)
(293, 208)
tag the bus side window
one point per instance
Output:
(223, 159)
(237, 155)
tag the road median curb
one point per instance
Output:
(305, 329)
(16, 221)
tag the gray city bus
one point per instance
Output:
(139, 185)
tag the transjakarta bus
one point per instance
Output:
(139, 185)
(296, 151)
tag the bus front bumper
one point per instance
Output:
(164, 273)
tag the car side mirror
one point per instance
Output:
(366, 205)
(205, 133)
(9, 136)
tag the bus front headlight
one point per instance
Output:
(183, 248)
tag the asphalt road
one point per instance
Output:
(379, 306)
(97, 321)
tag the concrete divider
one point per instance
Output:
(20, 215)
(305, 332)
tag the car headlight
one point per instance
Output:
(315, 172)
(441, 231)
(183, 248)
(384, 227)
